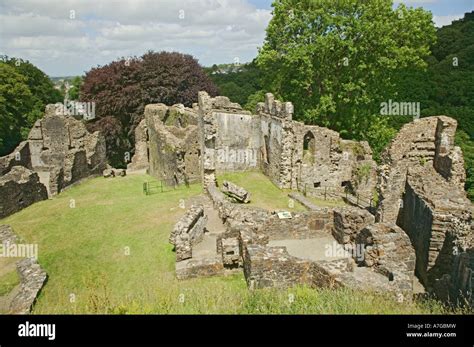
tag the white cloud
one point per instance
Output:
(215, 31)
(441, 21)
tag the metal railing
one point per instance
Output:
(356, 199)
(166, 185)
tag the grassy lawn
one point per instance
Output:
(263, 193)
(110, 254)
(8, 281)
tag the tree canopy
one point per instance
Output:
(337, 60)
(25, 91)
(123, 88)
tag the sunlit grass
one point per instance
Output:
(110, 254)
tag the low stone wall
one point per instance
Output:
(19, 157)
(274, 267)
(192, 268)
(188, 231)
(348, 222)
(237, 193)
(20, 188)
(32, 276)
(457, 286)
(305, 225)
(32, 279)
(389, 251)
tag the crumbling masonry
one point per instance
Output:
(420, 231)
(59, 152)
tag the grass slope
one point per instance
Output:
(84, 251)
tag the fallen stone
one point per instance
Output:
(236, 192)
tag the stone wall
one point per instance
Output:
(19, 157)
(32, 277)
(348, 222)
(303, 225)
(173, 146)
(311, 158)
(141, 157)
(228, 136)
(388, 250)
(20, 188)
(188, 231)
(421, 188)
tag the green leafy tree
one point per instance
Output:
(76, 87)
(237, 85)
(23, 108)
(337, 60)
(254, 99)
(16, 102)
(447, 87)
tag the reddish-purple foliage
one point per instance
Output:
(123, 88)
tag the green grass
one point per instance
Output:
(83, 250)
(8, 281)
(263, 193)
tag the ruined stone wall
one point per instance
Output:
(348, 222)
(421, 189)
(20, 188)
(274, 267)
(437, 219)
(173, 146)
(229, 137)
(304, 225)
(140, 157)
(448, 160)
(19, 157)
(63, 151)
(277, 140)
(237, 143)
(311, 158)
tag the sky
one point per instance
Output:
(69, 37)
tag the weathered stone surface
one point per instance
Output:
(7, 235)
(421, 189)
(20, 188)
(188, 231)
(60, 150)
(32, 279)
(236, 192)
(173, 146)
(111, 172)
(348, 222)
(230, 250)
(140, 158)
(388, 249)
(192, 268)
(19, 157)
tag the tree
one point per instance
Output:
(75, 88)
(23, 109)
(16, 101)
(337, 60)
(239, 85)
(123, 88)
(447, 87)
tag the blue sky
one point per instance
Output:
(214, 31)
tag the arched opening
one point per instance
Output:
(309, 148)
